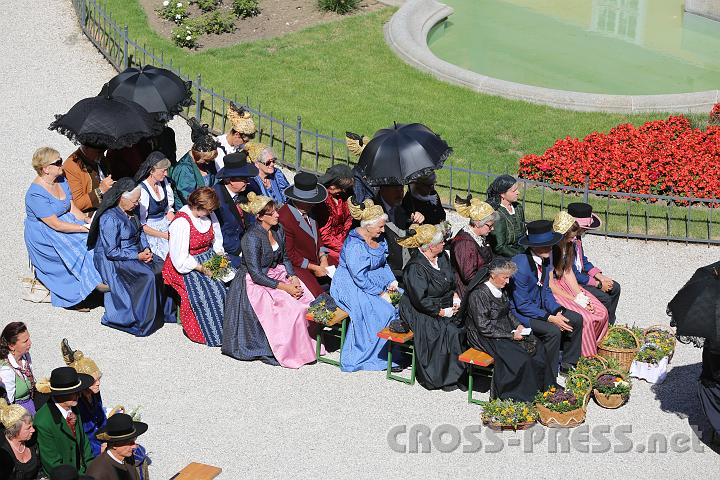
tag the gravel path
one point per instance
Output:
(257, 421)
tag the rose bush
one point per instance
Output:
(662, 157)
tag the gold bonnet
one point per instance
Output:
(419, 235)
(563, 222)
(77, 360)
(10, 415)
(472, 208)
(366, 211)
(241, 120)
(255, 203)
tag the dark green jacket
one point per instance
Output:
(508, 230)
(57, 445)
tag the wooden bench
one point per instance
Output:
(197, 471)
(481, 361)
(339, 320)
(403, 341)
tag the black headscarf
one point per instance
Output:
(202, 139)
(500, 185)
(153, 159)
(109, 200)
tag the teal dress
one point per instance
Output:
(62, 261)
(185, 177)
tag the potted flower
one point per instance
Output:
(321, 310)
(508, 415)
(662, 337)
(590, 366)
(620, 343)
(395, 297)
(611, 389)
(651, 363)
(560, 408)
(580, 385)
(220, 268)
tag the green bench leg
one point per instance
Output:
(318, 344)
(471, 382)
(391, 376)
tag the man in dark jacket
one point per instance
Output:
(116, 463)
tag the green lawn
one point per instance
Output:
(342, 76)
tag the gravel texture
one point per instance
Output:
(257, 421)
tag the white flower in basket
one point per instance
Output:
(166, 3)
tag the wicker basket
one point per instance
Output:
(586, 394)
(666, 328)
(624, 356)
(501, 428)
(551, 419)
(614, 400)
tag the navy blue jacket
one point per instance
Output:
(232, 225)
(528, 300)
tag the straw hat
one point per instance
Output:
(11, 414)
(563, 222)
(255, 203)
(355, 143)
(254, 150)
(472, 208)
(241, 120)
(78, 361)
(366, 211)
(418, 235)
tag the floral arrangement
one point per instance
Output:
(395, 297)
(219, 266)
(611, 384)
(322, 309)
(663, 157)
(619, 338)
(650, 353)
(590, 366)
(579, 384)
(662, 339)
(173, 11)
(558, 400)
(508, 413)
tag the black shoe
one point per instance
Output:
(397, 369)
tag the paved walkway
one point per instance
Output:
(263, 422)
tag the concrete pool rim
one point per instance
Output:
(407, 31)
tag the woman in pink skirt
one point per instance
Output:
(569, 293)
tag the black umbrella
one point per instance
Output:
(107, 122)
(401, 154)
(695, 309)
(157, 90)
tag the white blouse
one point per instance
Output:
(180, 239)
(7, 374)
(145, 199)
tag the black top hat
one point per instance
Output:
(306, 189)
(120, 428)
(336, 172)
(67, 472)
(540, 234)
(236, 165)
(584, 216)
(65, 380)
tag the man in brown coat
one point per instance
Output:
(116, 463)
(88, 177)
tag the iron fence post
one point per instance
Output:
(298, 143)
(586, 193)
(83, 14)
(198, 100)
(126, 41)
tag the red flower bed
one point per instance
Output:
(663, 157)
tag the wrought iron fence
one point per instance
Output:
(625, 215)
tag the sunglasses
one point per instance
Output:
(269, 162)
(57, 163)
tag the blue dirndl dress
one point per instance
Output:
(62, 261)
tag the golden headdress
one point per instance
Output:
(366, 211)
(10, 415)
(241, 120)
(472, 208)
(254, 150)
(255, 203)
(355, 143)
(563, 222)
(78, 361)
(419, 235)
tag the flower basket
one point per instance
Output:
(499, 427)
(581, 386)
(504, 415)
(663, 336)
(611, 396)
(551, 419)
(650, 372)
(623, 354)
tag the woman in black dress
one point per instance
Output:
(430, 307)
(520, 366)
(19, 458)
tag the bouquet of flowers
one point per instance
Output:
(395, 298)
(611, 389)
(508, 414)
(558, 400)
(662, 339)
(219, 266)
(322, 309)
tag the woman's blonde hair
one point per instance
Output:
(43, 157)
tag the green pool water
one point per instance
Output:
(631, 47)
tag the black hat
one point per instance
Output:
(65, 380)
(540, 234)
(306, 189)
(67, 472)
(584, 216)
(236, 165)
(120, 428)
(336, 172)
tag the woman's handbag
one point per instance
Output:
(34, 291)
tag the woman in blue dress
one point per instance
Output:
(270, 180)
(361, 287)
(56, 233)
(156, 209)
(137, 302)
